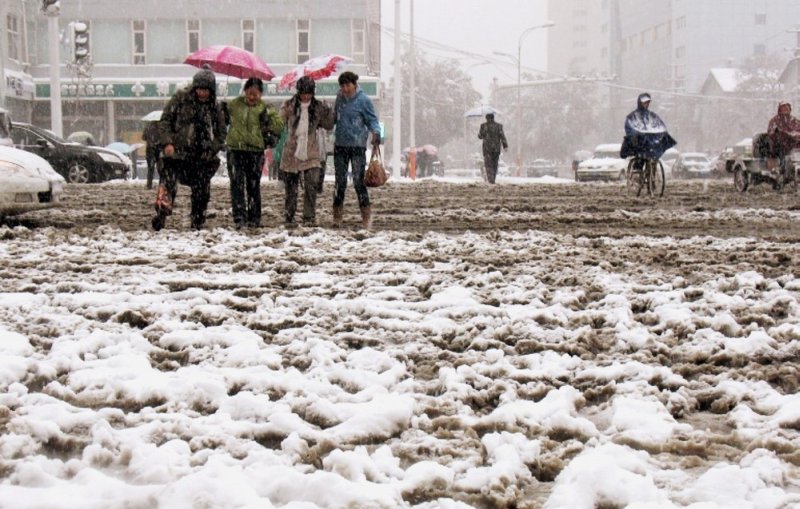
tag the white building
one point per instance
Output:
(137, 48)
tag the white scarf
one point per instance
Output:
(302, 133)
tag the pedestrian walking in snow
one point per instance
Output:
(192, 133)
(494, 138)
(254, 126)
(355, 121)
(303, 115)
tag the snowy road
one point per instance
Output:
(551, 345)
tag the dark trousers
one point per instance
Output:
(152, 153)
(310, 182)
(490, 161)
(245, 179)
(355, 157)
(193, 173)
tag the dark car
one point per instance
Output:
(77, 163)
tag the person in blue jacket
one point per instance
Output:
(355, 121)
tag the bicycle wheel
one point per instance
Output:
(633, 175)
(656, 182)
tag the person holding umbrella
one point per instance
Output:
(254, 126)
(192, 130)
(355, 120)
(303, 115)
(493, 138)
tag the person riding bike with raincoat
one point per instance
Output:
(645, 133)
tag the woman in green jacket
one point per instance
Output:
(254, 126)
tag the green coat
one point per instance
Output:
(252, 128)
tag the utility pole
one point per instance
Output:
(51, 9)
(412, 84)
(397, 141)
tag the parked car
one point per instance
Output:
(27, 182)
(605, 164)
(668, 160)
(692, 165)
(541, 168)
(77, 163)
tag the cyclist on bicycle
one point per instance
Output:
(645, 133)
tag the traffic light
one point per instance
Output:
(51, 7)
(80, 42)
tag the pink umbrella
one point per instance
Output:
(316, 68)
(231, 61)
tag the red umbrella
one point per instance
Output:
(231, 61)
(316, 68)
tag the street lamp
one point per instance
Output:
(518, 61)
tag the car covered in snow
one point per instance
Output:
(541, 168)
(692, 165)
(605, 164)
(27, 182)
(77, 163)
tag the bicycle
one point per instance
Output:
(645, 173)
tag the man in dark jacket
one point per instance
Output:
(493, 140)
(151, 137)
(192, 133)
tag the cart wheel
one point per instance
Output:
(741, 180)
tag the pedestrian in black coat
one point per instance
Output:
(494, 139)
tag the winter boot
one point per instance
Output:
(338, 213)
(366, 217)
(158, 221)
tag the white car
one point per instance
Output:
(605, 164)
(27, 182)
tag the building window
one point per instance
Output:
(12, 26)
(604, 28)
(759, 50)
(192, 35)
(680, 23)
(680, 52)
(761, 19)
(303, 40)
(359, 40)
(139, 42)
(604, 52)
(249, 35)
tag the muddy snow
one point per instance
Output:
(525, 345)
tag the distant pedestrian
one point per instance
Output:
(303, 115)
(494, 139)
(151, 136)
(355, 121)
(192, 133)
(254, 126)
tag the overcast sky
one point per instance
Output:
(474, 26)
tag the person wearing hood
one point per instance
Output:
(783, 131)
(355, 121)
(254, 126)
(192, 128)
(303, 115)
(494, 138)
(645, 132)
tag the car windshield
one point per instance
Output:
(695, 159)
(606, 154)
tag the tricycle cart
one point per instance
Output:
(754, 165)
